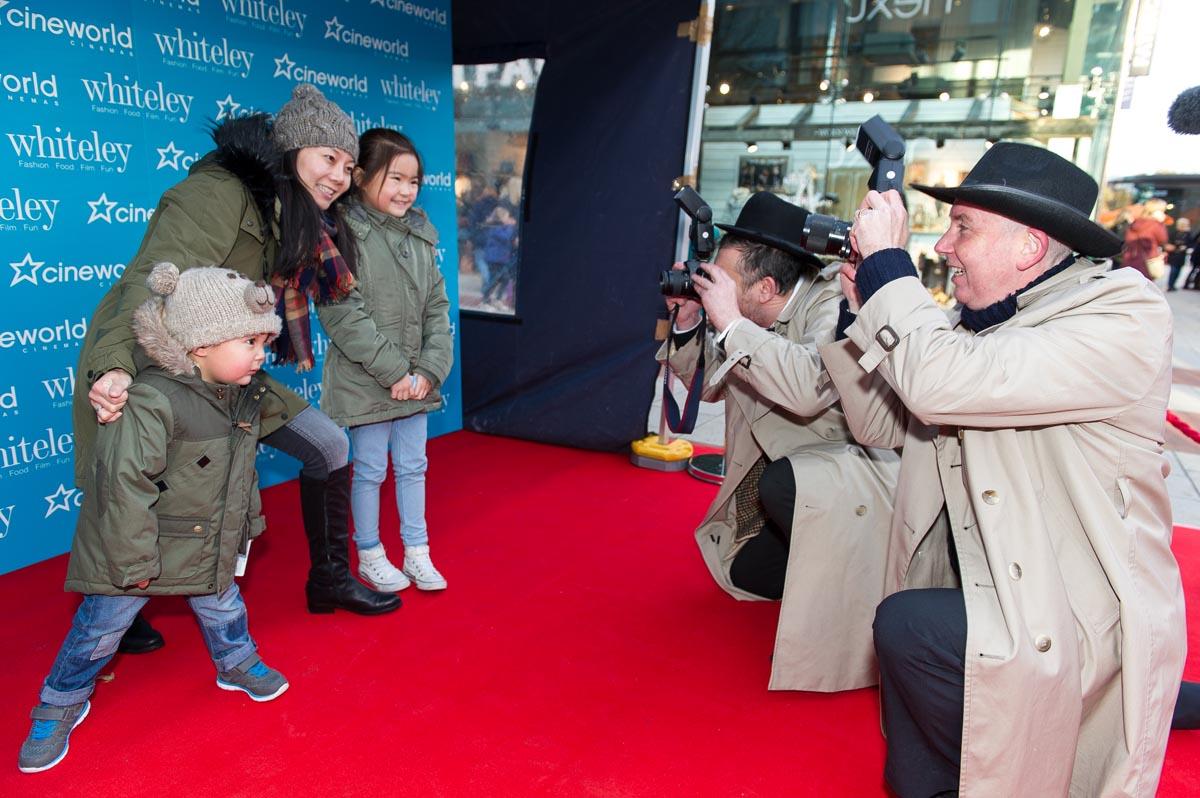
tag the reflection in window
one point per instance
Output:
(492, 110)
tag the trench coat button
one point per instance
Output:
(198, 528)
(991, 497)
(1042, 643)
(860, 509)
(1014, 570)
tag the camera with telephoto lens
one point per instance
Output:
(883, 148)
(678, 282)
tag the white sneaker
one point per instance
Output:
(419, 568)
(377, 570)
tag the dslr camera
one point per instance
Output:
(678, 282)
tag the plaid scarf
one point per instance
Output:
(326, 279)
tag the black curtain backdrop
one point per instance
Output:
(606, 140)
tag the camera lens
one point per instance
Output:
(826, 235)
(677, 282)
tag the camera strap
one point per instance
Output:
(691, 405)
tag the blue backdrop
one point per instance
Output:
(106, 105)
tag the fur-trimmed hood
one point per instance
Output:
(159, 346)
(244, 148)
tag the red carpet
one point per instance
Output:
(581, 650)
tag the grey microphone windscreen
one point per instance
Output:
(1184, 116)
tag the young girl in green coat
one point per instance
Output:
(391, 350)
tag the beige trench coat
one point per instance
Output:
(1043, 439)
(779, 403)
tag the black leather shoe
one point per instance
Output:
(140, 638)
(325, 508)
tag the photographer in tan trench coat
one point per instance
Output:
(803, 511)
(1033, 640)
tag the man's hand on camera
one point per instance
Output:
(879, 223)
(849, 289)
(689, 309)
(719, 294)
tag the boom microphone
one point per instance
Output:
(1184, 116)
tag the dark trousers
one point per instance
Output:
(761, 564)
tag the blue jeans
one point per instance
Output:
(100, 622)
(406, 439)
(313, 439)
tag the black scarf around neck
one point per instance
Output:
(1005, 309)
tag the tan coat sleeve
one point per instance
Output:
(1085, 364)
(683, 362)
(873, 411)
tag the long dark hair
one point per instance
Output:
(377, 148)
(300, 223)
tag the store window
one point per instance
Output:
(492, 111)
(791, 80)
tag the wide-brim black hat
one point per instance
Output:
(1034, 186)
(772, 220)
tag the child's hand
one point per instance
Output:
(142, 585)
(421, 387)
(402, 390)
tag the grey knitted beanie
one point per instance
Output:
(208, 305)
(309, 120)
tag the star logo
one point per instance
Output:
(227, 107)
(169, 156)
(26, 270)
(283, 66)
(333, 28)
(59, 499)
(101, 209)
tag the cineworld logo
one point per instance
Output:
(65, 335)
(401, 88)
(438, 180)
(31, 88)
(36, 272)
(90, 34)
(285, 67)
(8, 402)
(131, 99)
(199, 54)
(230, 108)
(64, 498)
(364, 122)
(68, 152)
(272, 13)
(171, 157)
(434, 16)
(22, 452)
(33, 213)
(340, 33)
(112, 212)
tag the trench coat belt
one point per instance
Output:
(949, 431)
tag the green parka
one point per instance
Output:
(172, 490)
(221, 215)
(394, 323)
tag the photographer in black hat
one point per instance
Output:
(803, 511)
(1033, 639)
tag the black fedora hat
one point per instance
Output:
(1034, 186)
(773, 221)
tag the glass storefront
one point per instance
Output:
(790, 81)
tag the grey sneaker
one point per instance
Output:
(46, 744)
(253, 678)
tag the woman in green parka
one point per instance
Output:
(391, 351)
(264, 204)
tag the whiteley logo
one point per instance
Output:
(104, 37)
(401, 88)
(24, 452)
(62, 499)
(340, 33)
(273, 14)
(61, 389)
(6, 516)
(33, 213)
(112, 212)
(31, 88)
(36, 272)
(285, 67)
(364, 122)
(434, 16)
(65, 335)
(199, 54)
(230, 108)
(111, 96)
(171, 157)
(68, 151)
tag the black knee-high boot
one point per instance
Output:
(325, 506)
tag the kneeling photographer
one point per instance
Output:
(803, 512)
